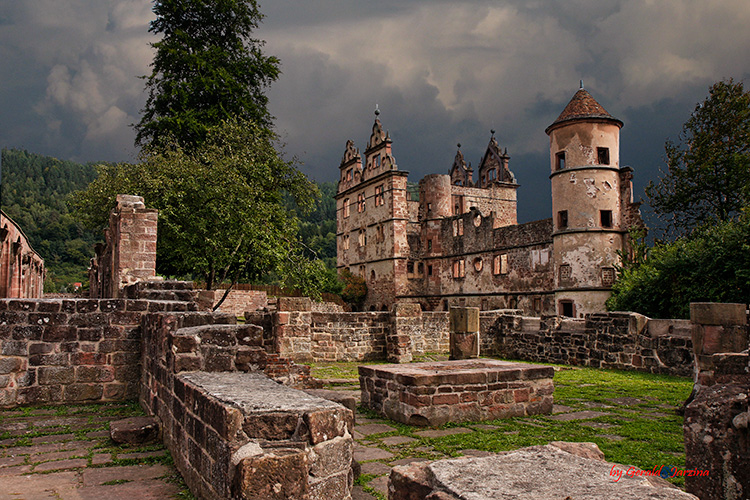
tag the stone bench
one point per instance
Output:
(456, 391)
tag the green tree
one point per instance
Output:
(712, 264)
(708, 176)
(207, 69)
(221, 214)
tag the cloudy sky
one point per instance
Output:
(441, 72)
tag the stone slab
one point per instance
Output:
(579, 415)
(434, 433)
(369, 429)
(397, 440)
(364, 453)
(534, 473)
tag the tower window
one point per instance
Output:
(349, 174)
(429, 269)
(459, 269)
(379, 200)
(362, 240)
(429, 245)
(346, 207)
(376, 161)
(602, 155)
(345, 242)
(562, 219)
(560, 157)
(606, 218)
(410, 267)
(608, 276)
(491, 175)
(500, 264)
(361, 202)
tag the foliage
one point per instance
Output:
(317, 227)
(708, 176)
(34, 193)
(710, 265)
(355, 288)
(206, 70)
(221, 215)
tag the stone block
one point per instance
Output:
(464, 319)
(714, 313)
(54, 375)
(406, 309)
(280, 475)
(714, 442)
(273, 426)
(83, 392)
(135, 430)
(294, 304)
(331, 457)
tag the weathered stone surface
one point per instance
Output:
(713, 313)
(715, 442)
(585, 450)
(456, 391)
(331, 457)
(135, 430)
(534, 473)
(281, 475)
(345, 399)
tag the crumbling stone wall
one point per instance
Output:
(717, 420)
(72, 350)
(625, 341)
(233, 432)
(237, 302)
(129, 254)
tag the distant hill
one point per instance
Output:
(317, 229)
(35, 189)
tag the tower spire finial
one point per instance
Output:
(377, 111)
(581, 87)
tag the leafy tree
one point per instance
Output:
(221, 212)
(207, 69)
(355, 288)
(708, 176)
(710, 265)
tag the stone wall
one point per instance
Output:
(237, 302)
(72, 350)
(296, 332)
(129, 252)
(625, 341)
(233, 432)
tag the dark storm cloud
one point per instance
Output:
(442, 72)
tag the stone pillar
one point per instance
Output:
(716, 328)
(405, 319)
(464, 332)
(716, 420)
(292, 329)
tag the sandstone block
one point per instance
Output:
(135, 430)
(281, 475)
(712, 313)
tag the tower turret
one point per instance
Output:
(587, 209)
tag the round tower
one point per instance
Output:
(588, 225)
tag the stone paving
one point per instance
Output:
(65, 453)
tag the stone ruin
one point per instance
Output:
(235, 432)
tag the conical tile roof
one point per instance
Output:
(583, 107)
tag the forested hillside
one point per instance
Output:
(35, 189)
(317, 229)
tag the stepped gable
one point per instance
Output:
(583, 107)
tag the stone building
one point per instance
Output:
(21, 268)
(458, 243)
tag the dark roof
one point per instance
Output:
(583, 107)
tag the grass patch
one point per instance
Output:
(642, 425)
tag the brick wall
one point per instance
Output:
(625, 341)
(71, 350)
